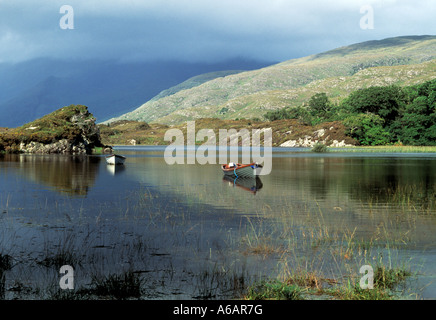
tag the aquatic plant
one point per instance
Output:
(5, 262)
(319, 147)
(274, 290)
(118, 286)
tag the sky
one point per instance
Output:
(201, 30)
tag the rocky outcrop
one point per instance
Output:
(62, 147)
(325, 136)
(70, 130)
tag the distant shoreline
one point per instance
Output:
(374, 149)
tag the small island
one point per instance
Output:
(69, 130)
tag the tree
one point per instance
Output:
(419, 118)
(319, 105)
(300, 113)
(368, 129)
(386, 102)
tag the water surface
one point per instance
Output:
(170, 223)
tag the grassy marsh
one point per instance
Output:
(387, 149)
(156, 247)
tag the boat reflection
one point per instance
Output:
(251, 184)
(115, 169)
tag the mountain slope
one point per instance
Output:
(31, 89)
(257, 91)
(194, 82)
(257, 104)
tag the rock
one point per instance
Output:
(338, 144)
(74, 125)
(62, 147)
(308, 141)
(289, 144)
(319, 133)
(31, 128)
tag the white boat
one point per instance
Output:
(115, 159)
(241, 170)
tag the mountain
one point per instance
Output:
(194, 82)
(32, 89)
(402, 60)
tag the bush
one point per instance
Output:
(368, 129)
(320, 106)
(300, 113)
(319, 147)
(418, 123)
(319, 109)
(385, 102)
(143, 126)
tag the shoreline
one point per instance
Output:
(348, 149)
(402, 149)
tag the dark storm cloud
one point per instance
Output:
(201, 29)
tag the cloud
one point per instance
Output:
(200, 29)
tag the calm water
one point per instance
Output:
(171, 223)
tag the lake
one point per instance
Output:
(189, 233)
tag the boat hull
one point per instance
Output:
(248, 170)
(115, 159)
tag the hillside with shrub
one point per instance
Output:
(130, 132)
(378, 115)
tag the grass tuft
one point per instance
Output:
(274, 290)
(5, 262)
(319, 148)
(118, 286)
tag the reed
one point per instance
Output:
(274, 290)
(319, 148)
(387, 149)
(323, 260)
(294, 252)
(119, 286)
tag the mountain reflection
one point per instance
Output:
(64, 173)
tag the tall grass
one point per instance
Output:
(319, 148)
(118, 286)
(323, 259)
(274, 290)
(295, 252)
(387, 149)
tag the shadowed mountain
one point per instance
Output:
(34, 88)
